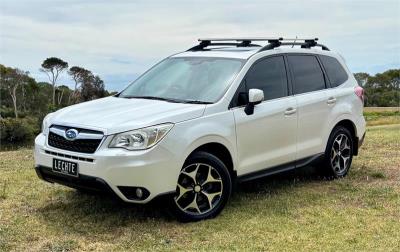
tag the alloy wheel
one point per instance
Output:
(199, 189)
(340, 154)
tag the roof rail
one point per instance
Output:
(247, 42)
(307, 43)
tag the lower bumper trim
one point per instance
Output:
(82, 182)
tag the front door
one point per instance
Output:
(267, 137)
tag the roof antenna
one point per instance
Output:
(294, 41)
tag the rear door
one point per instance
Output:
(337, 76)
(309, 88)
(266, 138)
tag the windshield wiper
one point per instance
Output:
(167, 99)
(197, 102)
(153, 98)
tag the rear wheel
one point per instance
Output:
(338, 153)
(204, 186)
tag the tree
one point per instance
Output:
(99, 87)
(21, 97)
(42, 103)
(361, 78)
(92, 88)
(53, 67)
(87, 89)
(28, 90)
(11, 79)
(60, 94)
(78, 74)
(382, 89)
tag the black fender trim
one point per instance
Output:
(358, 143)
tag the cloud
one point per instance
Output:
(119, 39)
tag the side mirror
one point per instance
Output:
(256, 96)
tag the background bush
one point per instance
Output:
(16, 131)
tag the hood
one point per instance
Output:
(113, 115)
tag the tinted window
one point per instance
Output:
(308, 75)
(336, 74)
(268, 75)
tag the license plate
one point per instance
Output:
(65, 167)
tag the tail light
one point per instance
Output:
(359, 91)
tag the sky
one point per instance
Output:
(119, 40)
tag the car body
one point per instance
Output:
(252, 136)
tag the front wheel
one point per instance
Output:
(338, 153)
(203, 188)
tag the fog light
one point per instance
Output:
(134, 193)
(139, 193)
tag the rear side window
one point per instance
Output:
(336, 74)
(308, 75)
(269, 75)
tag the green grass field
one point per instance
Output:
(294, 211)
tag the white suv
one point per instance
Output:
(224, 111)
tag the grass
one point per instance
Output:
(382, 115)
(294, 211)
(381, 109)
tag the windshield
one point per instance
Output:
(184, 79)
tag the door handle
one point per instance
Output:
(290, 111)
(331, 100)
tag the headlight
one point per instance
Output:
(140, 139)
(46, 124)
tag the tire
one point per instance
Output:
(339, 153)
(203, 188)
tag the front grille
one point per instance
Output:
(79, 145)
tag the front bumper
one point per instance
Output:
(119, 171)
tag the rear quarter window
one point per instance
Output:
(336, 74)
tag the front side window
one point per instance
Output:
(308, 75)
(186, 79)
(336, 74)
(269, 75)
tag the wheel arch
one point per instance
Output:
(220, 150)
(350, 125)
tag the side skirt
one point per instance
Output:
(281, 168)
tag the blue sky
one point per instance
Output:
(118, 40)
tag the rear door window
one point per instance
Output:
(336, 74)
(307, 73)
